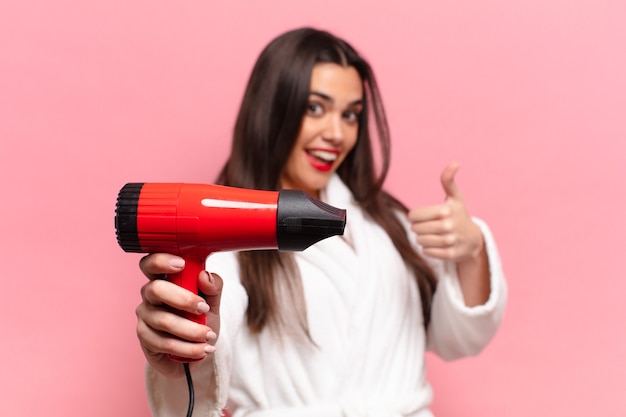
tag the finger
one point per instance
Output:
(210, 285)
(157, 342)
(437, 227)
(447, 180)
(437, 241)
(423, 214)
(170, 324)
(159, 292)
(155, 265)
(166, 321)
(447, 253)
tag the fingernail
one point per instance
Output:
(177, 263)
(211, 336)
(209, 349)
(211, 279)
(203, 307)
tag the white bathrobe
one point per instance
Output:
(365, 317)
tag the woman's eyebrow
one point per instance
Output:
(328, 98)
(322, 96)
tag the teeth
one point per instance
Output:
(326, 156)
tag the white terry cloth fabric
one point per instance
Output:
(365, 317)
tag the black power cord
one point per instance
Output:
(190, 387)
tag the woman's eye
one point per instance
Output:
(314, 109)
(351, 116)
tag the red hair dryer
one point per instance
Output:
(194, 220)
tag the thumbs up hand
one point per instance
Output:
(446, 231)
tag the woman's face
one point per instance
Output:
(329, 128)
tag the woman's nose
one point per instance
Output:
(334, 128)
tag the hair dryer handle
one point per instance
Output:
(188, 279)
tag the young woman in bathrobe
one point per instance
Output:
(340, 329)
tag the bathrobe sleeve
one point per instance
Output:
(211, 377)
(457, 330)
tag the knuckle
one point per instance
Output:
(447, 225)
(154, 264)
(157, 288)
(139, 310)
(161, 261)
(144, 261)
(140, 329)
(154, 286)
(445, 211)
(164, 322)
(194, 351)
(189, 300)
(145, 290)
(200, 335)
(168, 345)
(148, 263)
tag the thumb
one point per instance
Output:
(447, 180)
(210, 286)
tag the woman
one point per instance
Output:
(340, 329)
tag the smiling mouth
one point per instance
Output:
(322, 160)
(323, 156)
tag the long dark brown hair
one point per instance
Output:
(265, 133)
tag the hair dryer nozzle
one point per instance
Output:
(303, 220)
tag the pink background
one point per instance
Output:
(529, 96)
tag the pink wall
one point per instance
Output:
(530, 97)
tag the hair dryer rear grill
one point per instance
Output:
(126, 217)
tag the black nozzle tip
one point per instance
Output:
(126, 217)
(304, 220)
